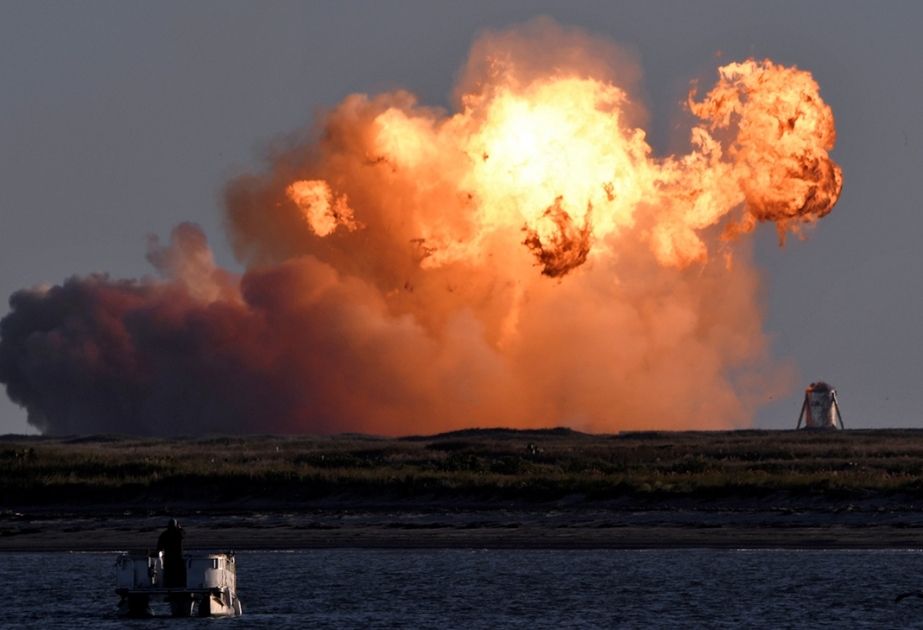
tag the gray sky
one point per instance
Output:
(120, 119)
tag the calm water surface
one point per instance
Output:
(347, 588)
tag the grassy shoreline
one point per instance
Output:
(469, 489)
(479, 467)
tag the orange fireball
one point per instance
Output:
(554, 158)
(524, 260)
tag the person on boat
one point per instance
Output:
(174, 564)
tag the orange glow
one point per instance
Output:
(322, 212)
(784, 131)
(555, 154)
(524, 260)
(556, 270)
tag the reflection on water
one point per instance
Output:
(347, 588)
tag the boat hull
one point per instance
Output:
(210, 586)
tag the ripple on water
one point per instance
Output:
(369, 589)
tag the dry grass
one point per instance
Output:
(469, 465)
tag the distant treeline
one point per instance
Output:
(472, 465)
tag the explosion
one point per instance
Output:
(525, 261)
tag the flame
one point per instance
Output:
(322, 211)
(784, 131)
(554, 158)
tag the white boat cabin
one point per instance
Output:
(210, 591)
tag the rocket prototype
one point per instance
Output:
(819, 406)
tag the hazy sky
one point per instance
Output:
(122, 119)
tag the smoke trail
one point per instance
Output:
(522, 262)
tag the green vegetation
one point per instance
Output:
(471, 465)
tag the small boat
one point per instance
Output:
(210, 591)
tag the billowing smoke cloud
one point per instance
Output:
(522, 262)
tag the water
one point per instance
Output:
(346, 588)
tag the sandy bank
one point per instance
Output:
(500, 528)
